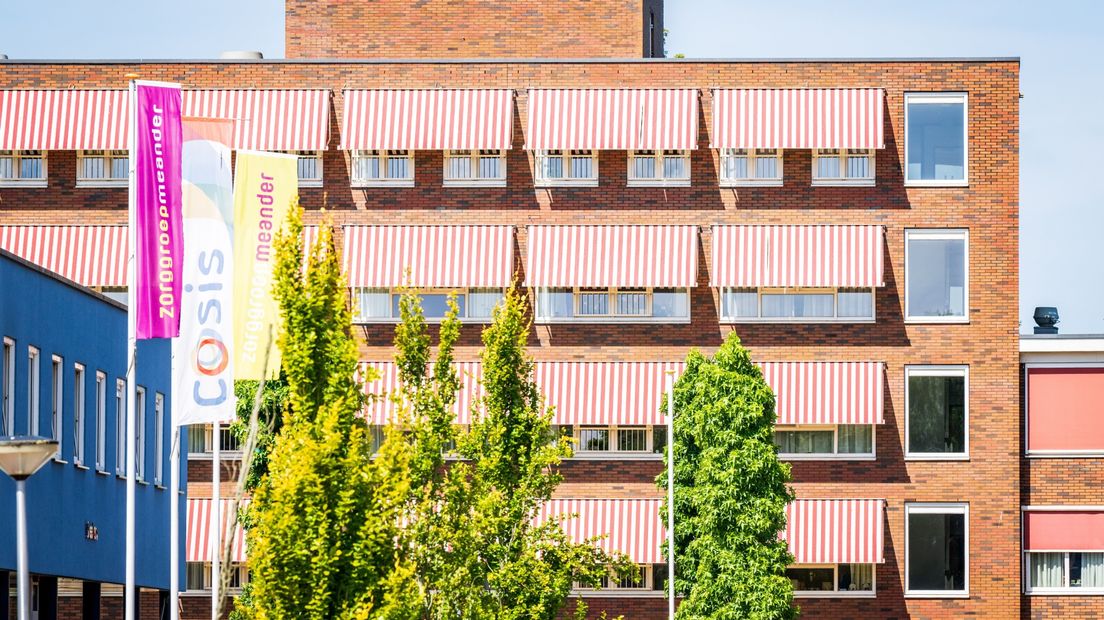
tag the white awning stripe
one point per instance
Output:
(798, 256)
(612, 119)
(64, 120)
(198, 534)
(835, 531)
(430, 120)
(267, 120)
(87, 255)
(436, 256)
(826, 392)
(602, 256)
(630, 526)
(385, 389)
(605, 393)
(798, 118)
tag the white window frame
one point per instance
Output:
(57, 403)
(101, 422)
(836, 592)
(120, 427)
(7, 406)
(948, 97)
(243, 576)
(540, 180)
(835, 455)
(612, 589)
(317, 157)
(109, 155)
(158, 438)
(80, 413)
(612, 291)
(647, 454)
(17, 156)
(209, 436)
(834, 291)
(659, 180)
(944, 234)
(475, 180)
(140, 433)
(1051, 454)
(940, 508)
(383, 180)
(939, 370)
(359, 319)
(843, 180)
(752, 155)
(34, 390)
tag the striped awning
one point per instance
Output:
(201, 518)
(612, 119)
(436, 256)
(629, 526)
(87, 255)
(797, 256)
(383, 409)
(604, 393)
(428, 120)
(602, 256)
(798, 118)
(835, 531)
(826, 392)
(63, 120)
(267, 120)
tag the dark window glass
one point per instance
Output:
(811, 579)
(434, 305)
(936, 551)
(937, 414)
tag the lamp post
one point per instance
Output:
(20, 457)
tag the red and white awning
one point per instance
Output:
(267, 120)
(605, 393)
(603, 256)
(798, 256)
(1066, 529)
(428, 120)
(835, 531)
(436, 256)
(383, 409)
(798, 118)
(87, 255)
(201, 518)
(63, 120)
(826, 392)
(612, 119)
(629, 526)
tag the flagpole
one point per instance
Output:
(217, 516)
(132, 359)
(174, 524)
(671, 495)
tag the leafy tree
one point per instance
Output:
(730, 492)
(270, 413)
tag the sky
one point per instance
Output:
(1062, 80)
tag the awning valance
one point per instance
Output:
(201, 520)
(87, 255)
(629, 526)
(826, 392)
(267, 120)
(63, 120)
(603, 256)
(1064, 530)
(612, 119)
(798, 118)
(430, 120)
(835, 531)
(436, 256)
(797, 256)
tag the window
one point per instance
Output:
(842, 305)
(937, 542)
(591, 440)
(310, 168)
(34, 412)
(196, 577)
(670, 168)
(120, 427)
(201, 439)
(936, 276)
(101, 422)
(817, 579)
(843, 166)
(475, 168)
(57, 397)
(935, 139)
(1059, 398)
(558, 168)
(381, 305)
(78, 414)
(844, 441)
(936, 405)
(7, 382)
(751, 167)
(158, 438)
(140, 434)
(640, 577)
(99, 168)
(1073, 572)
(23, 168)
(613, 304)
(383, 168)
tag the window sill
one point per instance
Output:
(310, 183)
(937, 183)
(208, 456)
(79, 466)
(566, 183)
(474, 183)
(833, 320)
(61, 461)
(143, 483)
(611, 593)
(612, 321)
(159, 486)
(614, 455)
(937, 320)
(843, 182)
(120, 476)
(936, 457)
(834, 594)
(100, 472)
(90, 183)
(12, 184)
(827, 457)
(937, 595)
(752, 183)
(658, 183)
(379, 184)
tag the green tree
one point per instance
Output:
(730, 492)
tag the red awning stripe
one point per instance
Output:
(428, 120)
(384, 409)
(630, 526)
(798, 256)
(201, 519)
(826, 392)
(87, 255)
(601, 256)
(63, 120)
(798, 118)
(267, 120)
(612, 119)
(1064, 530)
(835, 531)
(436, 256)
(605, 393)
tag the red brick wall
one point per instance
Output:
(989, 481)
(469, 28)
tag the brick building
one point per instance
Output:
(854, 221)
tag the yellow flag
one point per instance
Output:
(264, 186)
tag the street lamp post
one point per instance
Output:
(20, 457)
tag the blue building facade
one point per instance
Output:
(63, 375)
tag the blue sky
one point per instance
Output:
(1062, 216)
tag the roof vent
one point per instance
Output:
(1046, 317)
(3, 56)
(241, 55)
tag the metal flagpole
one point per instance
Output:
(132, 358)
(671, 495)
(174, 524)
(216, 531)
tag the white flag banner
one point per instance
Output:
(203, 384)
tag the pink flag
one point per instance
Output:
(158, 248)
